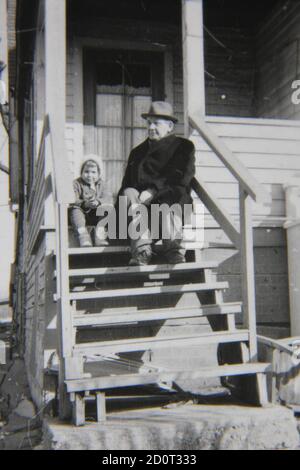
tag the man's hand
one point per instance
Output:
(146, 196)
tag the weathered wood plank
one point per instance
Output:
(78, 410)
(177, 289)
(102, 383)
(153, 268)
(248, 280)
(142, 344)
(154, 314)
(193, 59)
(101, 408)
(2, 352)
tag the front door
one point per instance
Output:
(118, 87)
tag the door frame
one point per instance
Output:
(78, 44)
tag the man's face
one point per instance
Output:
(159, 128)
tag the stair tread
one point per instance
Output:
(94, 383)
(136, 291)
(189, 245)
(110, 318)
(151, 268)
(142, 344)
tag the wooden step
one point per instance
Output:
(130, 316)
(143, 344)
(113, 381)
(149, 269)
(98, 250)
(137, 291)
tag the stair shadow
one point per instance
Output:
(140, 398)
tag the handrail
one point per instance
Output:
(217, 210)
(237, 169)
(249, 187)
(275, 344)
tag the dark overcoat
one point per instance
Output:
(167, 166)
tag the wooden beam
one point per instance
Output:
(275, 344)
(149, 269)
(248, 280)
(2, 352)
(55, 109)
(137, 291)
(101, 408)
(4, 168)
(79, 410)
(55, 104)
(143, 344)
(193, 60)
(132, 316)
(98, 383)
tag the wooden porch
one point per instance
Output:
(251, 158)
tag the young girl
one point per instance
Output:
(90, 191)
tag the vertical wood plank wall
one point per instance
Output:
(278, 63)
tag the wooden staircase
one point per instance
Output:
(100, 298)
(107, 297)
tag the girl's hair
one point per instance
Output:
(93, 159)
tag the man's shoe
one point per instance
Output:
(141, 258)
(175, 258)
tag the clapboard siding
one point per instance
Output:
(35, 322)
(269, 149)
(278, 55)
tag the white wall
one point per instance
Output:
(7, 233)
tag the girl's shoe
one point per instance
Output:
(85, 239)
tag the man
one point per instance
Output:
(159, 171)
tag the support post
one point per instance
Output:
(248, 279)
(101, 408)
(193, 60)
(79, 410)
(55, 108)
(55, 83)
(292, 226)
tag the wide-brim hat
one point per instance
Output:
(162, 110)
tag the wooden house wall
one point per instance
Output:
(35, 322)
(278, 63)
(269, 148)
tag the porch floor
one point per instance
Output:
(180, 427)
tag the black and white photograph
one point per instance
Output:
(150, 227)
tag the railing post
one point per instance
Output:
(55, 83)
(64, 317)
(248, 274)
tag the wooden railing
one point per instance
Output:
(241, 237)
(53, 180)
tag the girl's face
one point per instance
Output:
(90, 173)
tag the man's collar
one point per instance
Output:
(158, 144)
